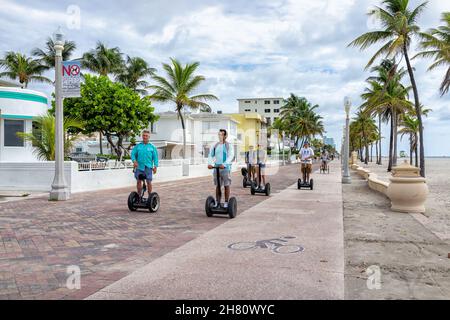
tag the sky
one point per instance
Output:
(245, 48)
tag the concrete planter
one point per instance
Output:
(408, 190)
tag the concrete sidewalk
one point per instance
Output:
(206, 268)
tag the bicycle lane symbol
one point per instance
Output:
(278, 245)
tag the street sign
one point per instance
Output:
(71, 71)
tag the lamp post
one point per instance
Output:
(59, 191)
(346, 176)
(282, 137)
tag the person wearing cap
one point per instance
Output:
(306, 155)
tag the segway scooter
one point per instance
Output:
(137, 201)
(210, 207)
(305, 184)
(246, 172)
(256, 187)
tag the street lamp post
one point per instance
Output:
(346, 176)
(60, 191)
(282, 137)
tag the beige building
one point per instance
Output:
(269, 108)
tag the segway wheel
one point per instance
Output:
(244, 183)
(133, 199)
(311, 184)
(253, 189)
(153, 202)
(267, 189)
(244, 172)
(208, 205)
(299, 184)
(232, 208)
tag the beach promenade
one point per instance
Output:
(240, 259)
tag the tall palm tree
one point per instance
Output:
(22, 68)
(367, 128)
(133, 73)
(399, 23)
(47, 55)
(43, 140)
(104, 61)
(410, 126)
(436, 43)
(178, 87)
(280, 126)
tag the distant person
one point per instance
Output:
(221, 155)
(145, 161)
(324, 159)
(306, 155)
(250, 160)
(261, 160)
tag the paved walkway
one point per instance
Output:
(207, 268)
(96, 232)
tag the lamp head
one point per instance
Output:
(347, 105)
(58, 37)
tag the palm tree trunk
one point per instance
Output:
(394, 158)
(101, 144)
(379, 131)
(391, 144)
(416, 154)
(411, 149)
(376, 153)
(184, 130)
(371, 152)
(418, 111)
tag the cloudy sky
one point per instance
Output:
(246, 48)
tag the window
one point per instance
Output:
(256, 110)
(276, 101)
(247, 102)
(248, 110)
(268, 121)
(78, 149)
(239, 136)
(267, 102)
(12, 127)
(209, 126)
(37, 132)
(153, 127)
(276, 110)
(267, 110)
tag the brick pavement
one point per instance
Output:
(95, 231)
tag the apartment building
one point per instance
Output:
(269, 108)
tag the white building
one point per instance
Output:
(18, 107)
(201, 133)
(269, 108)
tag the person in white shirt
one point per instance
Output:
(261, 159)
(306, 156)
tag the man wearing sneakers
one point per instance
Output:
(306, 155)
(221, 155)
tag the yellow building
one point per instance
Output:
(249, 129)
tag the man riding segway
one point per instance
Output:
(306, 155)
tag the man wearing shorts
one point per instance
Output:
(222, 155)
(145, 160)
(324, 158)
(261, 159)
(250, 159)
(306, 155)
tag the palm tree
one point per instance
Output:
(104, 61)
(47, 56)
(133, 73)
(280, 126)
(366, 128)
(43, 140)
(410, 126)
(22, 68)
(436, 43)
(400, 26)
(178, 88)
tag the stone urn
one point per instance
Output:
(408, 190)
(354, 160)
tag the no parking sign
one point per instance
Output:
(71, 71)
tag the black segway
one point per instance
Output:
(305, 184)
(210, 207)
(246, 172)
(137, 201)
(256, 187)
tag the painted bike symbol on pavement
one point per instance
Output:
(279, 245)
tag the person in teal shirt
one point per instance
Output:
(145, 160)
